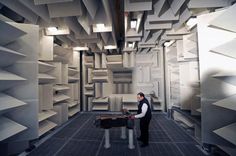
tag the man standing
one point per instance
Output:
(145, 115)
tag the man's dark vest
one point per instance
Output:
(148, 114)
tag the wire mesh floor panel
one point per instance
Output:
(81, 138)
(80, 148)
(118, 149)
(158, 136)
(159, 116)
(189, 149)
(89, 134)
(174, 131)
(115, 135)
(48, 148)
(162, 149)
(65, 133)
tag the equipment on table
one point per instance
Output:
(108, 121)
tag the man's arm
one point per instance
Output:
(144, 110)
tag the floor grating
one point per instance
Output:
(82, 138)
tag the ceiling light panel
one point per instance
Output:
(110, 47)
(133, 23)
(80, 48)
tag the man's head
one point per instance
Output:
(140, 96)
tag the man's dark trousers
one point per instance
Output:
(144, 128)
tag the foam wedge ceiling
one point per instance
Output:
(154, 20)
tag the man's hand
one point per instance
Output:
(132, 117)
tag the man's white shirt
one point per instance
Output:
(144, 111)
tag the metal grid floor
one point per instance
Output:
(81, 138)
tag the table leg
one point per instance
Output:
(123, 133)
(131, 139)
(107, 139)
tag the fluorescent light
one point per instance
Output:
(110, 47)
(133, 23)
(130, 45)
(169, 43)
(100, 26)
(191, 22)
(80, 48)
(52, 29)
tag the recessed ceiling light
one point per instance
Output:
(110, 47)
(191, 22)
(80, 48)
(133, 23)
(52, 29)
(100, 26)
(169, 43)
(130, 45)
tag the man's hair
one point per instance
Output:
(141, 94)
